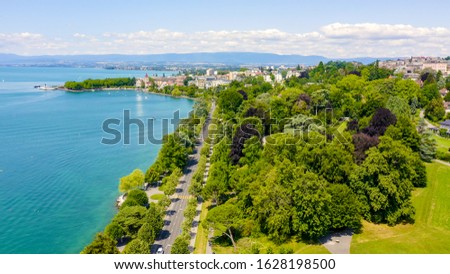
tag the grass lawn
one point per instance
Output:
(443, 144)
(202, 234)
(430, 233)
(157, 197)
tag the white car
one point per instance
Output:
(160, 251)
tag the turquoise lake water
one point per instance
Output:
(58, 183)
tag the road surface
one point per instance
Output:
(174, 214)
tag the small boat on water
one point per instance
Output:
(45, 87)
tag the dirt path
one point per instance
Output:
(442, 162)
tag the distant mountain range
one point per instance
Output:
(215, 58)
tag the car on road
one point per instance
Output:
(160, 250)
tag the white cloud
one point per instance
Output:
(380, 31)
(334, 40)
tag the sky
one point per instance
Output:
(333, 28)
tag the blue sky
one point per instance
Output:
(335, 28)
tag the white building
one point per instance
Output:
(209, 72)
(436, 66)
(278, 78)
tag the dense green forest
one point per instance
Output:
(321, 152)
(318, 153)
(101, 83)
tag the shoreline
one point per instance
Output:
(133, 89)
(121, 198)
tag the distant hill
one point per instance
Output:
(225, 58)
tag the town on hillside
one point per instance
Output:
(413, 68)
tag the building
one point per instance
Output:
(209, 72)
(447, 106)
(278, 77)
(267, 78)
(446, 125)
(437, 66)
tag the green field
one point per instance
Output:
(443, 144)
(430, 233)
(157, 197)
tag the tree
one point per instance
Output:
(221, 151)
(398, 106)
(271, 198)
(130, 219)
(224, 219)
(383, 182)
(311, 201)
(320, 99)
(429, 92)
(344, 208)
(114, 231)
(405, 131)
(154, 218)
(172, 154)
(362, 143)
(427, 147)
(381, 120)
(279, 109)
(447, 96)
(133, 180)
(129, 202)
(353, 126)
(333, 161)
(428, 78)
(137, 246)
(147, 234)
(406, 89)
(102, 244)
(139, 196)
(251, 151)
(244, 94)
(151, 175)
(435, 110)
(180, 245)
(170, 183)
(229, 100)
(244, 132)
(217, 183)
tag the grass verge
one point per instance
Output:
(157, 197)
(202, 234)
(264, 246)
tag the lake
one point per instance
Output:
(58, 182)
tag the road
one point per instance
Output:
(174, 214)
(421, 115)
